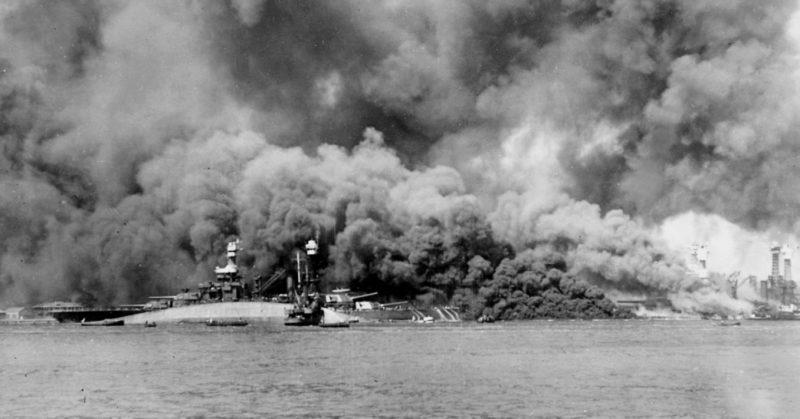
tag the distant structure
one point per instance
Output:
(787, 263)
(15, 313)
(696, 267)
(48, 309)
(698, 260)
(779, 287)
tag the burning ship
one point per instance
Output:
(310, 307)
(228, 297)
(225, 299)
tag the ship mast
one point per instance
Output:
(305, 311)
(300, 282)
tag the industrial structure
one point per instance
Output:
(776, 291)
(697, 262)
(779, 287)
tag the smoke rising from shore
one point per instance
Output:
(137, 137)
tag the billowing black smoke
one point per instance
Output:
(431, 143)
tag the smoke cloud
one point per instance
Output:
(425, 142)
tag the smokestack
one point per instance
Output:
(787, 269)
(776, 254)
(787, 263)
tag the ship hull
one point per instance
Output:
(383, 315)
(201, 313)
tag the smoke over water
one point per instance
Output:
(426, 141)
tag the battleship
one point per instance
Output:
(227, 299)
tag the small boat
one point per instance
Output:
(485, 319)
(224, 322)
(107, 322)
(423, 320)
(148, 323)
(336, 324)
(302, 320)
(730, 323)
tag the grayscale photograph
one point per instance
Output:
(399, 208)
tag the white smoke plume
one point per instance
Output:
(138, 136)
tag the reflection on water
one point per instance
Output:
(573, 369)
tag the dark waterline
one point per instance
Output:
(564, 369)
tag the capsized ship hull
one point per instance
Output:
(252, 311)
(383, 315)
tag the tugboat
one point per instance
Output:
(307, 302)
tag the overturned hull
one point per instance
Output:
(383, 315)
(251, 311)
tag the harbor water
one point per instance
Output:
(526, 369)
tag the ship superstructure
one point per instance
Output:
(307, 302)
(228, 285)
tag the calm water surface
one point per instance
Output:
(530, 369)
